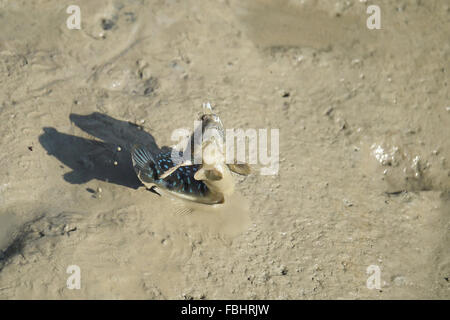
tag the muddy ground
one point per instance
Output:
(364, 148)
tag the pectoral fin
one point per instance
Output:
(213, 175)
(243, 169)
(200, 175)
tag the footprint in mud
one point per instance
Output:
(127, 80)
(8, 225)
(106, 18)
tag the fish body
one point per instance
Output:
(214, 172)
(209, 182)
(180, 183)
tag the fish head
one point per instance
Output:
(212, 153)
(211, 123)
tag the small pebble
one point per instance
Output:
(283, 270)
(328, 111)
(107, 24)
(347, 203)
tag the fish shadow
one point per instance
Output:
(106, 157)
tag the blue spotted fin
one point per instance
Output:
(161, 172)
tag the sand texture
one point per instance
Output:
(364, 148)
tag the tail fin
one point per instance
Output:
(143, 163)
